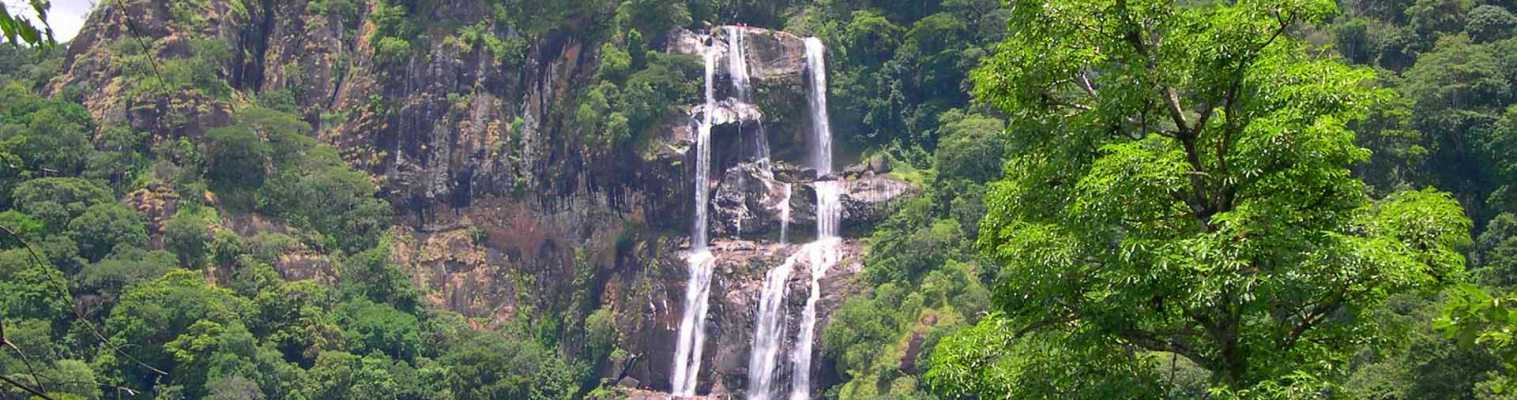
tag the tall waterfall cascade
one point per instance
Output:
(700, 261)
(820, 256)
(827, 250)
(766, 360)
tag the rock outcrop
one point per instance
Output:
(750, 199)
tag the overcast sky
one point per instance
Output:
(66, 16)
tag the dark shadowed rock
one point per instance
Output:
(750, 202)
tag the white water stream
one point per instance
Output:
(742, 84)
(820, 256)
(829, 209)
(692, 327)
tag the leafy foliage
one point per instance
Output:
(102, 228)
(1241, 241)
(20, 30)
(1475, 317)
(55, 201)
(492, 367)
(625, 106)
(988, 360)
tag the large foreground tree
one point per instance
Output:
(1180, 184)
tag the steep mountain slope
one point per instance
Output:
(470, 117)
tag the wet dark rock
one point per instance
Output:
(750, 202)
(772, 54)
(741, 268)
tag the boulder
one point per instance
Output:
(750, 202)
(869, 198)
(728, 112)
(685, 41)
(772, 54)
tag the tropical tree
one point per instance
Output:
(55, 201)
(1475, 317)
(103, 227)
(1180, 184)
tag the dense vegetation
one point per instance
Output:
(99, 308)
(1253, 250)
(1124, 199)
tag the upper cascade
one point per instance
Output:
(769, 54)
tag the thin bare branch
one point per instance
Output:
(23, 386)
(24, 359)
(62, 287)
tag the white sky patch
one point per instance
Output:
(66, 16)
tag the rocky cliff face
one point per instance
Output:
(498, 201)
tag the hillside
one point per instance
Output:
(839, 199)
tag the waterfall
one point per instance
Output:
(737, 61)
(692, 332)
(820, 255)
(821, 128)
(764, 360)
(693, 324)
(742, 84)
(737, 68)
(826, 251)
(703, 155)
(785, 215)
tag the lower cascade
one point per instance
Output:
(697, 294)
(764, 361)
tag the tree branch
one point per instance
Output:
(1084, 80)
(24, 359)
(1041, 324)
(1233, 101)
(1152, 341)
(1176, 112)
(28, 389)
